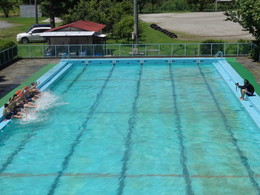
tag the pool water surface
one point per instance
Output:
(133, 128)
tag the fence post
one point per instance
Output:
(237, 49)
(198, 49)
(4, 56)
(225, 49)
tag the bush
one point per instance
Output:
(6, 54)
(211, 47)
(6, 44)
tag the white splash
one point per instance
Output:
(47, 101)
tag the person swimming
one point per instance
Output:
(9, 114)
(20, 101)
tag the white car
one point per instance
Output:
(32, 35)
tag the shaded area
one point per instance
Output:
(6, 88)
(20, 74)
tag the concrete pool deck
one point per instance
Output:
(19, 71)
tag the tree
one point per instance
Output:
(142, 4)
(200, 4)
(54, 8)
(8, 5)
(108, 12)
(247, 15)
(124, 28)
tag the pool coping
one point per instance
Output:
(251, 104)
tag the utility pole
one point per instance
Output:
(36, 11)
(135, 23)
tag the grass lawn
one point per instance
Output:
(244, 73)
(150, 36)
(19, 25)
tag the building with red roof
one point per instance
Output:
(80, 32)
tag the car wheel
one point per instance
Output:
(25, 40)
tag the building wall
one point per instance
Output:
(29, 11)
(70, 40)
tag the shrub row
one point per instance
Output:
(6, 44)
(8, 51)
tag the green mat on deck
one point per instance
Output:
(244, 73)
(27, 82)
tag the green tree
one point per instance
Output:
(108, 12)
(8, 5)
(124, 28)
(54, 8)
(142, 4)
(247, 15)
(200, 5)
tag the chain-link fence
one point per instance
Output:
(128, 50)
(8, 55)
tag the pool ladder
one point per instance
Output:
(219, 53)
(65, 55)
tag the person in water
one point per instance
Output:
(246, 89)
(8, 114)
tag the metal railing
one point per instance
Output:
(128, 50)
(8, 55)
(219, 53)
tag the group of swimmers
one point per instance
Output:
(18, 104)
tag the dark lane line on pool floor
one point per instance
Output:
(27, 137)
(76, 79)
(183, 157)
(103, 175)
(128, 143)
(18, 149)
(67, 158)
(242, 157)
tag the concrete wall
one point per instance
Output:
(29, 11)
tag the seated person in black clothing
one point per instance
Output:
(246, 89)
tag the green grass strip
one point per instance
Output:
(244, 73)
(27, 82)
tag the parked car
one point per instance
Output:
(39, 25)
(32, 35)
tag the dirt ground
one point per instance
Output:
(4, 24)
(206, 25)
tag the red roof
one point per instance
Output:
(83, 25)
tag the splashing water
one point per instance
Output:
(47, 101)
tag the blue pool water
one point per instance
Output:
(156, 128)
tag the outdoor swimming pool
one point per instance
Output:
(138, 126)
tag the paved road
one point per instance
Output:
(203, 25)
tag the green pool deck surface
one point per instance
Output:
(25, 71)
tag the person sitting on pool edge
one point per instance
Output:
(246, 89)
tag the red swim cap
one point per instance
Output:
(19, 91)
